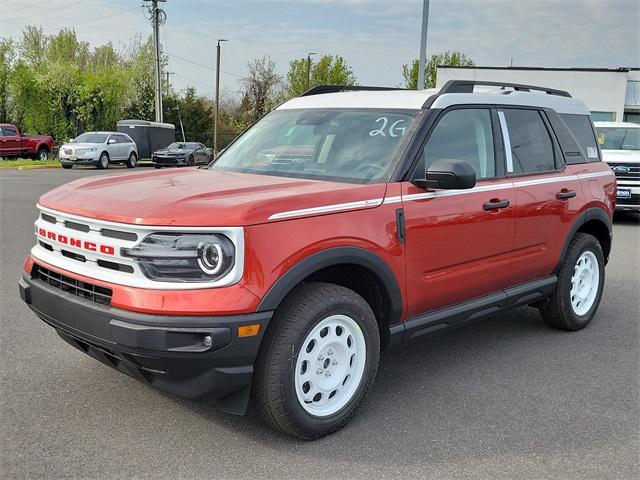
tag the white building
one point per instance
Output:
(610, 94)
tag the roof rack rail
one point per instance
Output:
(466, 86)
(343, 88)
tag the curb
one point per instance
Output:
(36, 167)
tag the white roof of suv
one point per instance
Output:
(616, 125)
(415, 99)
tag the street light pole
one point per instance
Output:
(215, 118)
(308, 84)
(423, 44)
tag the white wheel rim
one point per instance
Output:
(330, 365)
(584, 283)
(132, 159)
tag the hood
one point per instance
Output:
(199, 197)
(621, 156)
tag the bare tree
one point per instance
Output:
(260, 87)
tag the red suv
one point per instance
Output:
(281, 277)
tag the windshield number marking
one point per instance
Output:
(394, 129)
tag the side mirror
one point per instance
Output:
(448, 174)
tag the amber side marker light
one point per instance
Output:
(249, 330)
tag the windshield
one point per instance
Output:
(325, 144)
(619, 138)
(177, 146)
(91, 138)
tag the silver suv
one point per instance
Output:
(99, 149)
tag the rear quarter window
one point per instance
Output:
(576, 137)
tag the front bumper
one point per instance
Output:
(169, 161)
(631, 203)
(168, 352)
(79, 161)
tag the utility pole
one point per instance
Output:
(308, 84)
(158, 17)
(215, 117)
(423, 44)
(168, 87)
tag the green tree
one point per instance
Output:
(328, 70)
(7, 55)
(261, 88)
(448, 58)
(33, 46)
(196, 112)
(66, 49)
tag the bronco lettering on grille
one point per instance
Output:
(75, 242)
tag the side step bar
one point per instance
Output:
(455, 315)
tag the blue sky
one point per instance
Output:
(375, 36)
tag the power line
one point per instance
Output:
(203, 66)
(41, 13)
(94, 20)
(23, 7)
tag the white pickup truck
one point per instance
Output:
(620, 145)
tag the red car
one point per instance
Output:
(12, 144)
(393, 214)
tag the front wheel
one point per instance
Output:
(67, 167)
(580, 285)
(103, 161)
(317, 361)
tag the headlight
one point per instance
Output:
(182, 257)
(92, 149)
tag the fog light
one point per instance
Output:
(207, 341)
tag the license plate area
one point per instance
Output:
(623, 193)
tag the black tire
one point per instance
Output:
(42, 155)
(157, 166)
(67, 167)
(190, 161)
(132, 160)
(103, 161)
(559, 312)
(274, 391)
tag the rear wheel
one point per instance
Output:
(580, 285)
(43, 154)
(132, 160)
(317, 361)
(103, 161)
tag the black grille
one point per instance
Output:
(72, 286)
(634, 200)
(626, 171)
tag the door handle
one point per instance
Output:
(565, 194)
(495, 203)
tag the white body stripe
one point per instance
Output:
(375, 202)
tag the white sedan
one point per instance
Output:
(99, 149)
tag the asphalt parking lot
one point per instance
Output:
(507, 397)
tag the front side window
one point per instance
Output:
(358, 146)
(9, 132)
(531, 147)
(611, 138)
(462, 134)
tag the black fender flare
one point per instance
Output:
(336, 256)
(593, 213)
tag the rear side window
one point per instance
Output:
(531, 146)
(581, 129)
